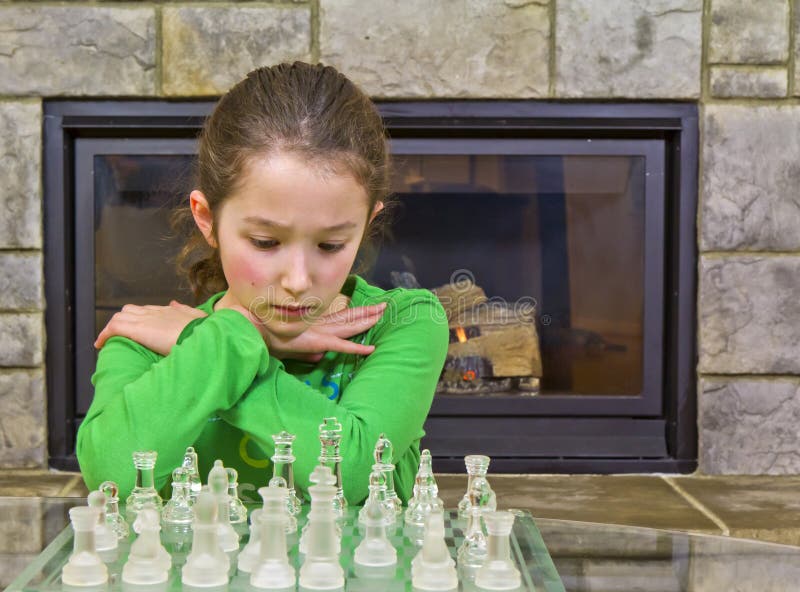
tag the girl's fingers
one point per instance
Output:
(348, 347)
(349, 315)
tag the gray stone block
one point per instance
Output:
(749, 315)
(620, 48)
(21, 339)
(209, 49)
(21, 283)
(439, 49)
(727, 82)
(77, 50)
(751, 172)
(747, 32)
(23, 424)
(20, 174)
(749, 426)
(20, 525)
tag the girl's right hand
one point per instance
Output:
(328, 333)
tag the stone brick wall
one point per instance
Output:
(736, 58)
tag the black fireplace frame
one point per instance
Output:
(554, 438)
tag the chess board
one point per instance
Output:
(527, 548)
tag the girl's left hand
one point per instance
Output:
(155, 327)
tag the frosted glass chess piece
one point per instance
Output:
(148, 561)
(472, 552)
(236, 511)
(433, 568)
(218, 486)
(321, 569)
(498, 571)
(315, 477)
(283, 469)
(248, 556)
(207, 565)
(190, 463)
(144, 493)
(178, 510)
(273, 571)
(383, 453)
(330, 437)
(105, 539)
(426, 492)
(114, 519)
(377, 494)
(376, 550)
(84, 567)
(477, 466)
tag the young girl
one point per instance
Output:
(292, 176)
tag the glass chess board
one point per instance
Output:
(527, 550)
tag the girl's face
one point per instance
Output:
(288, 238)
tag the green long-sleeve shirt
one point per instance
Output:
(220, 391)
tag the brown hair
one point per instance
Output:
(313, 111)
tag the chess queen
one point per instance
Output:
(292, 183)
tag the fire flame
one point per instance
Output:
(461, 334)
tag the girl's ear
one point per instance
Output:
(202, 216)
(378, 207)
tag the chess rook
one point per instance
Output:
(498, 571)
(330, 437)
(283, 469)
(477, 466)
(84, 567)
(144, 493)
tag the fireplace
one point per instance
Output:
(559, 236)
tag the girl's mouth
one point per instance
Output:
(293, 312)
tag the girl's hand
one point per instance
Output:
(155, 327)
(327, 333)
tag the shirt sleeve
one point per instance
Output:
(144, 401)
(391, 392)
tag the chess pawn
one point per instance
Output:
(105, 539)
(472, 552)
(426, 492)
(291, 521)
(283, 469)
(178, 510)
(377, 494)
(148, 561)
(433, 568)
(375, 550)
(114, 519)
(207, 565)
(249, 555)
(498, 571)
(330, 436)
(321, 569)
(84, 567)
(383, 453)
(315, 477)
(237, 511)
(190, 463)
(218, 486)
(144, 493)
(477, 466)
(273, 570)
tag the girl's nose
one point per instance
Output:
(296, 279)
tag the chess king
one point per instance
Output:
(292, 181)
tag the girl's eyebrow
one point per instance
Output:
(259, 221)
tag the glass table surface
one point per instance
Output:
(35, 542)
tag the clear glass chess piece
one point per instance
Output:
(472, 552)
(426, 492)
(144, 492)
(283, 469)
(477, 466)
(218, 486)
(376, 550)
(383, 453)
(377, 495)
(105, 538)
(190, 463)
(498, 571)
(84, 567)
(178, 510)
(330, 437)
(113, 517)
(321, 569)
(207, 565)
(273, 570)
(237, 511)
(148, 561)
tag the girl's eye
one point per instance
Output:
(331, 247)
(263, 244)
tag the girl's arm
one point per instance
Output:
(391, 392)
(144, 401)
